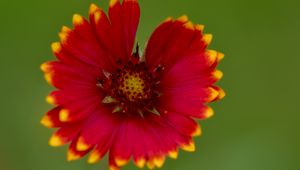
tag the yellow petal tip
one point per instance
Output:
(173, 154)
(64, 115)
(56, 47)
(77, 19)
(65, 29)
(48, 78)
(71, 156)
(111, 167)
(159, 161)
(50, 100)
(81, 145)
(46, 121)
(218, 74)
(140, 163)
(63, 36)
(45, 67)
(189, 25)
(183, 18)
(121, 162)
(55, 141)
(168, 19)
(190, 147)
(197, 131)
(200, 27)
(222, 94)
(94, 157)
(212, 55)
(220, 56)
(209, 112)
(113, 3)
(207, 38)
(93, 8)
(213, 94)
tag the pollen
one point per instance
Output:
(132, 86)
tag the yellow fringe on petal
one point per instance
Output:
(55, 141)
(94, 157)
(111, 167)
(71, 156)
(77, 19)
(159, 161)
(222, 94)
(209, 112)
(173, 154)
(93, 8)
(121, 162)
(207, 38)
(140, 163)
(56, 47)
(46, 121)
(64, 115)
(81, 145)
(50, 100)
(218, 74)
(112, 3)
(190, 147)
(197, 131)
(200, 27)
(220, 56)
(183, 18)
(97, 16)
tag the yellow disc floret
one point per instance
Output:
(132, 86)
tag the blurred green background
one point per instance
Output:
(256, 127)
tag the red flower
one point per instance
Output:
(112, 100)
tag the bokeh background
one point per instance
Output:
(256, 127)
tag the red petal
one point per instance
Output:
(65, 134)
(85, 51)
(66, 96)
(85, 31)
(182, 124)
(131, 17)
(170, 42)
(80, 109)
(98, 131)
(190, 108)
(63, 76)
(73, 153)
(51, 119)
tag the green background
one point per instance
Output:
(256, 126)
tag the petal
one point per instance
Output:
(66, 96)
(51, 119)
(86, 32)
(98, 130)
(79, 110)
(193, 109)
(63, 76)
(64, 135)
(73, 154)
(115, 13)
(131, 17)
(182, 124)
(102, 28)
(82, 49)
(171, 41)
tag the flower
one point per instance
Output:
(111, 99)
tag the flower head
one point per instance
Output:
(112, 100)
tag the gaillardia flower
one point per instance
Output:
(112, 99)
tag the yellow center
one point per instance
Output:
(132, 86)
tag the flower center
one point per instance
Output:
(132, 86)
